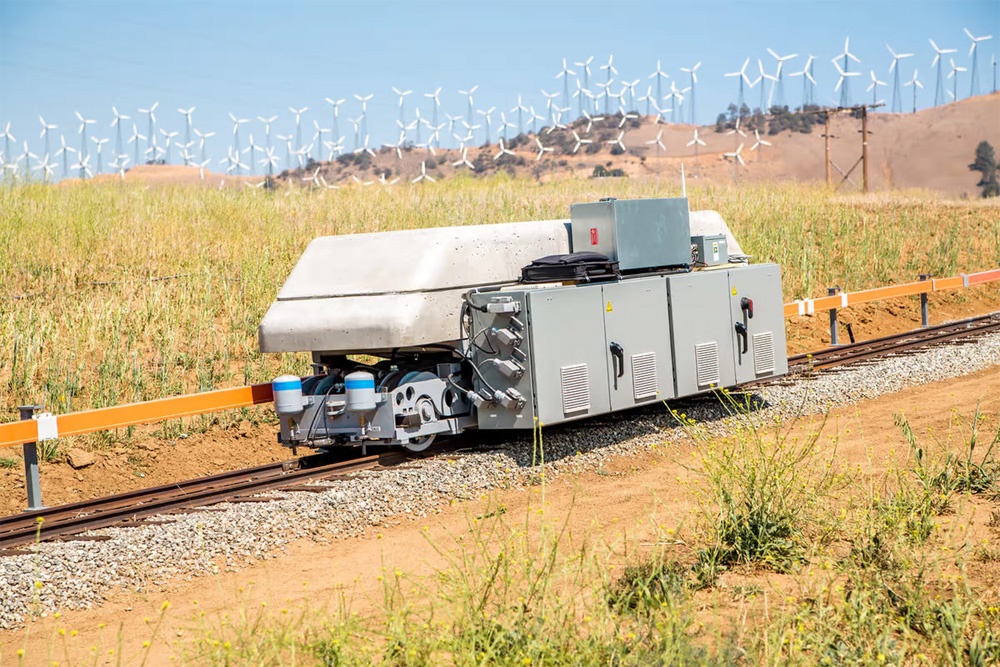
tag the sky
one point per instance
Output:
(254, 58)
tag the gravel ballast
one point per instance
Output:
(74, 575)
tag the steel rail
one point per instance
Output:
(66, 520)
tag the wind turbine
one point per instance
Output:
(317, 138)
(954, 73)
(564, 75)
(423, 174)
(298, 125)
(252, 148)
(168, 137)
(648, 99)
(580, 142)
(542, 150)
(659, 75)
(187, 128)
(504, 124)
(63, 151)
(135, 138)
(100, 144)
(83, 164)
(548, 104)
(610, 68)
(630, 86)
(402, 96)
(585, 68)
(236, 137)
(469, 93)
(117, 124)
(503, 151)
(808, 81)
(894, 70)
(845, 96)
(695, 142)
(916, 84)
(488, 115)
(672, 96)
(201, 143)
(150, 132)
(694, 82)
(46, 127)
(335, 104)
(974, 54)
(435, 97)
(84, 122)
(873, 87)
(742, 74)
(779, 82)
(7, 138)
(760, 80)
(759, 142)
(842, 82)
(737, 159)
(939, 87)
(267, 129)
(618, 141)
(464, 160)
(534, 119)
(658, 141)
(288, 147)
(27, 161)
(48, 171)
(364, 99)
(520, 109)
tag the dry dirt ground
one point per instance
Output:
(626, 510)
(930, 150)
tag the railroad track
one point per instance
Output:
(904, 343)
(131, 508)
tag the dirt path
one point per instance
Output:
(635, 504)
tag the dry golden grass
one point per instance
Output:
(119, 293)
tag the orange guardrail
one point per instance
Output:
(845, 299)
(120, 416)
(175, 407)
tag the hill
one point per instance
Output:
(930, 150)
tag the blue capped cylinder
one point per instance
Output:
(287, 391)
(360, 389)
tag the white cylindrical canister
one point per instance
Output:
(360, 389)
(287, 394)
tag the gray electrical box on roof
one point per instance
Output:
(638, 233)
(710, 250)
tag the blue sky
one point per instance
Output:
(258, 58)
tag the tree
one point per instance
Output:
(986, 163)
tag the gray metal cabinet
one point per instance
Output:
(570, 369)
(701, 329)
(756, 289)
(637, 337)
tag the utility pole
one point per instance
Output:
(826, 142)
(864, 147)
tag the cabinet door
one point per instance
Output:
(567, 342)
(766, 353)
(637, 337)
(701, 327)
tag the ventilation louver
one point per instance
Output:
(706, 357)
(575, 383)
(644, 382)
(763, 353)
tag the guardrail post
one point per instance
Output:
(31, 480)
(832, 291)
(924, 314)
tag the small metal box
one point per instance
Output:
(638, 234)
(710, 250)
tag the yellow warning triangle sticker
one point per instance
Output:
(609, 307)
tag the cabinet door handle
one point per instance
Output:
(617, 361)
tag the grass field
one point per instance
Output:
(115, 294)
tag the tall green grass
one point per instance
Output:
(115, 293)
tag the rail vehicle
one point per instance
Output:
(426, 333)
